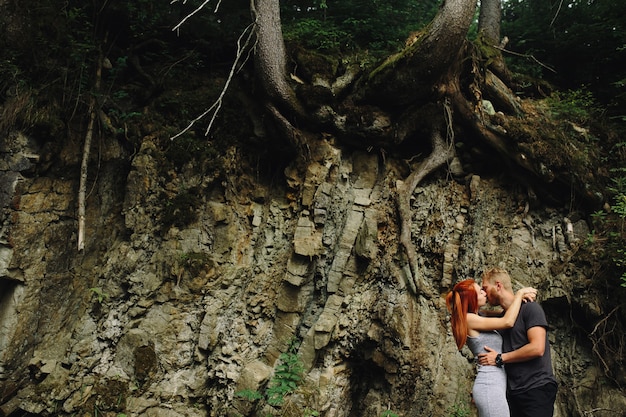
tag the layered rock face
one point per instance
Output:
(179, 318)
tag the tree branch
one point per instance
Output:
(524, 56)
(240, 60)
(217, 6)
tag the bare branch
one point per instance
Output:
(524, 56)
(601, 347)
(557, 13)
(194, 12)
(243, 54)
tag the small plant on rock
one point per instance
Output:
(286, 380)
(459, 409)
(100, 294)
(287, 376)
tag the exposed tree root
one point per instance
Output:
(609, 344)
(442, 153)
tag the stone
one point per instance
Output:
(366, 245)
(307, 241)
(253, 376)
(316, 174)
(297, 270)
(293, 299)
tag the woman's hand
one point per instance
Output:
(527, 294)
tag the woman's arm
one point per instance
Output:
(480, 323)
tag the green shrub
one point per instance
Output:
(180, 211)
(287, 376)
(609, 226)
(576, 105)
(459, 409)
(316, 34)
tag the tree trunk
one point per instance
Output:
(412, 75)
(405, 78)
(270, 56)
(489, 20)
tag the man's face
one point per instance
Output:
(492, 292)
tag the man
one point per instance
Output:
(531, 386)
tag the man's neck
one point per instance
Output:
(506, 299)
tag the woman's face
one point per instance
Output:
(482, 295)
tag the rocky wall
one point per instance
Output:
(177, 319)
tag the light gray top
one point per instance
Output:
(491, 339)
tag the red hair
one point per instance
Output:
(460, 301)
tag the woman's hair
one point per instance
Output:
(460, 301)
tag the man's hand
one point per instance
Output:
(488, 358)
(528, 294)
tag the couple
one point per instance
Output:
(516, 341)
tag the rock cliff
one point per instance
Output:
(192, 287)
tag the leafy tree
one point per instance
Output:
(583, 41)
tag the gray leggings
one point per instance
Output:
(489, 392)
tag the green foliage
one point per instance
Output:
(100, 294)
(388, 413)
(187, 148)
(194, 262)
(287, 376)
(286, 380)
(315, 34)
(459, 409)
(575, 105)
(374, 25)
(581, 41)
(249, 395)
(618, 209)
(609, 233)
(11, 76)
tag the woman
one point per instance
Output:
(489, 391)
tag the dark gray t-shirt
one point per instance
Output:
(522, 376)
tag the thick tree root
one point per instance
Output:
(442, 153)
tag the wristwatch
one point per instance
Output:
(499, 361)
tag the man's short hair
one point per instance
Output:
(498, 274)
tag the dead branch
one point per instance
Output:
(531, 57)
(217, 6)
(558, 10)
(82, 189)
(243, 54)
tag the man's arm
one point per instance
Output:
(535, 348)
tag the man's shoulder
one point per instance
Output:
(533, 314)
(531, 306)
